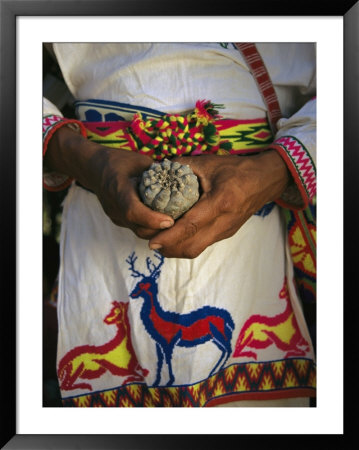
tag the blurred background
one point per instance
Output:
(55, 90)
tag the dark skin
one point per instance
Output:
(233, 189)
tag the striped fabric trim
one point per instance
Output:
(53, 181)
(260, 74)
(301, 166)
(293, 152)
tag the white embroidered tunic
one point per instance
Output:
(136, 329)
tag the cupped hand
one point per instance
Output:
(118, 175)
(112, 175)
(233, 189)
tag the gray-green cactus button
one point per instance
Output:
(169, 187)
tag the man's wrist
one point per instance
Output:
(275, 167)
(69, 153)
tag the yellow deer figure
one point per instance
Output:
(260, 332)
(117, 356)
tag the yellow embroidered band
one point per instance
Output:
(201, 131)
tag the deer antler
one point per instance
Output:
(149, 264)
(156, 271)
(131, 261)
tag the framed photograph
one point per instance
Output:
(24, 28)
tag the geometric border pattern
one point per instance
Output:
(300, 165)
(249, 381)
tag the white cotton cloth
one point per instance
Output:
(243, 275)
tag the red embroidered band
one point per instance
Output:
(300, 165)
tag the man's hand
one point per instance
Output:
(233, 189)
(112, 175)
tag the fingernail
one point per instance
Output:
(166, 224)
(155, 246)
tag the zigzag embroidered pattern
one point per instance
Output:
(246, 380)
(302, 162)
(48, 122)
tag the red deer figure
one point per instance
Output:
(117, 356)
(282, 330)
(170, 329)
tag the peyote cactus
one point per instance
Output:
(169, 187)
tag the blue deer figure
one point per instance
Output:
(171, 329)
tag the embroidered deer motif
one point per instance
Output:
(282, 330)
(171, 329)
(117, 356)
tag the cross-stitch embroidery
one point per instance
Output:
(117, 356)
(171, 329)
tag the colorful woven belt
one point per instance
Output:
(160, 135)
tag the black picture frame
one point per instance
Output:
(9, 11)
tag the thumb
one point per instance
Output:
(145, 217)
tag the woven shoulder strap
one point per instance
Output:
(301, 225)
(259, 71)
